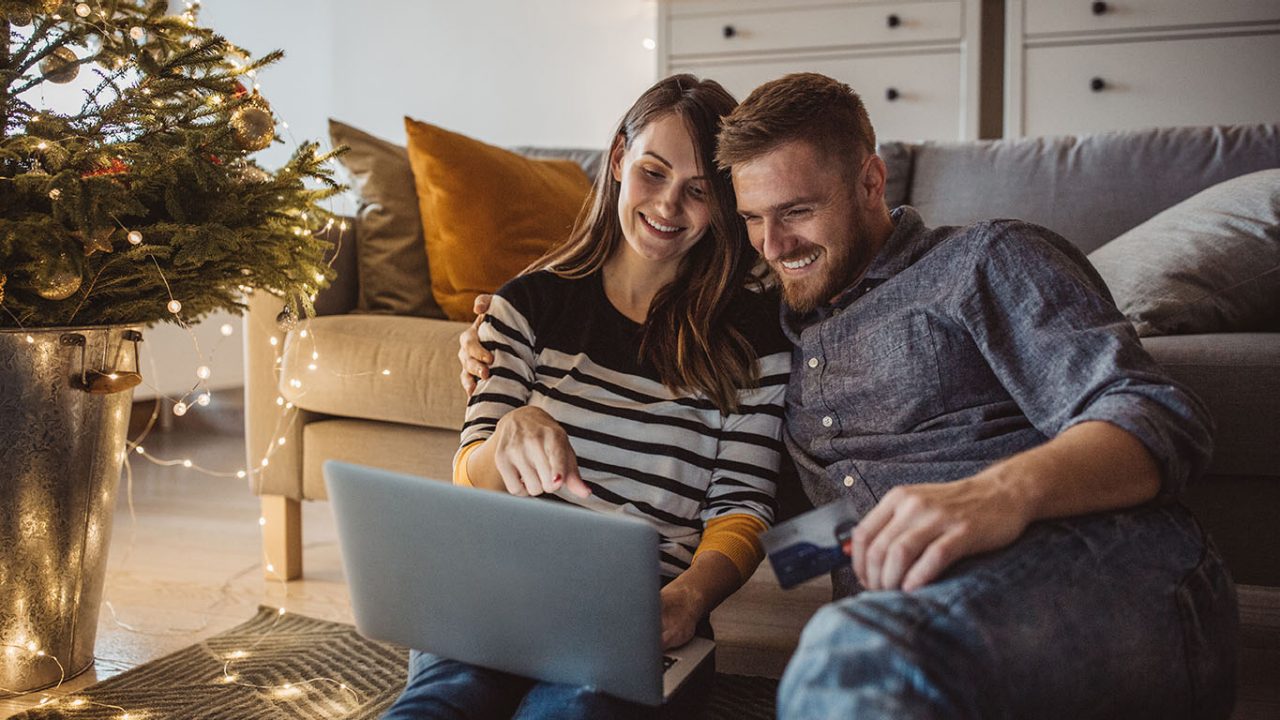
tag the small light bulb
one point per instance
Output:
(31, 647)
(42, 145)
(282, 612)
(315, 356)
(280, 441)
(83, 10)
(203, 400)
(175, 307)
(135, 32)
(279, 401)
(140, 450)
(271, 568)
(262, 521)
(30, 340)
(312, 366)
(319, 277)
(226, 330)
(54, 194)
(274, 342)
(295, 383)
(386, 372)
(241, 474)
(303, 333)
(180, 409)
(186, 463)
(203, 372)
(265, 462)
(288, 406)
(648, 44)
(135, 237)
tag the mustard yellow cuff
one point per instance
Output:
(460, 476)
(737, 537)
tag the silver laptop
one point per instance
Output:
(531, 587)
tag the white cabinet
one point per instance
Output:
(1076, 66)
(915, 64)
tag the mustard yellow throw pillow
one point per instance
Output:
(486, 212)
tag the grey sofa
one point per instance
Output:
(387, 393)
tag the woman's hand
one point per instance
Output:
(681, 611)
(533, 455)
(472, 356)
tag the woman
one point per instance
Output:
(632, 372)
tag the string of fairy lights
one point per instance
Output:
(199, 396)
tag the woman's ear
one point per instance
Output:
(615, 158)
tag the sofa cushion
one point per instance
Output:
(1208, 264)
(391, 257)
(1237, 375)
(376, 367)
(1088, 188)
(487, 212)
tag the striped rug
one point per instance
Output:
(292, 667)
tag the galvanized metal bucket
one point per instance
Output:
(65, 396)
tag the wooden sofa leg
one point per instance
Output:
(282, 537)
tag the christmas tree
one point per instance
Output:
(144, 204)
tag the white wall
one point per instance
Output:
(509, 72)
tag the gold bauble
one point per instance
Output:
(19, 17)
(253, 125)
(50, 6)
(57, 278)
(61, 66)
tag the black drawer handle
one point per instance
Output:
(1099, 8)
(893, 21)
(892, 94)
(1097, 84)
(729, 31)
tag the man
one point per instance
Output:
(1015, 453)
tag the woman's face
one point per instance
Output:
(663, 199)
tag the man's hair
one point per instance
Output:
(814, 108)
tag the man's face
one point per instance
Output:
(804, 217)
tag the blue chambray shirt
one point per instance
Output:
(962, 346)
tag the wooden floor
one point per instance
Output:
(184, 565)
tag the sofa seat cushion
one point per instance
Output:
(376, 367)
(1237, 375)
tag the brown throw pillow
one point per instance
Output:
(487, 212)
(391, 257)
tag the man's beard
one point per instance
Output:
(843, 264)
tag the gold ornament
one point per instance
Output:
(253, 125)
(96, 241)
(20, 17)
(50, 6)
(62, 66)
(3, 280)
(57, 278)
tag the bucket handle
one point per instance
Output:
(104, 380)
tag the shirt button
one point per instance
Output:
(848, 481)
(827, 421)
(813, 362)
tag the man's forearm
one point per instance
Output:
(1091, 467)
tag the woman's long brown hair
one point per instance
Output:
(686, 334)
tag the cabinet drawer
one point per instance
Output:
(1189, 81)
(926, 87)
(1044, 17)
(815, 27)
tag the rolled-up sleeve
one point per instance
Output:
(1052, 335)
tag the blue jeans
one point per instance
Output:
(443, 689)
(1118, 615)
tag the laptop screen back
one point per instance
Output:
(532, 587)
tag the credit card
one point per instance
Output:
(811, 544)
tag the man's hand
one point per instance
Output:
(533, 455)
(681, 611)
(472, 356)
(917, 531)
